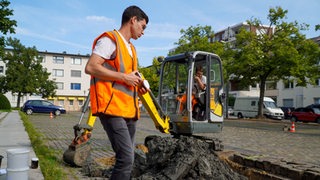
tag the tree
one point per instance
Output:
(25, 74)
(278, 52)
(6, 24)
(151, 73)
(199, 38)
(192, 39)
(196, 38)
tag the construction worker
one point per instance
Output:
(115, 86)
(200, 80)
(199, 85)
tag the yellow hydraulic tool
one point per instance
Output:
(160, 119)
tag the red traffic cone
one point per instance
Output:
(51, 115)
(292, 128)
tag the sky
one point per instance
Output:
(72, 25)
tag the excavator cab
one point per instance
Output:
(190, 109)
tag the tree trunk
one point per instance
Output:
(18, 100)
(260, 104)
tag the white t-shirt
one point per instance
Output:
(106, 48)
(203, 80)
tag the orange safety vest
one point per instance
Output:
(113, 97)
(183, 101)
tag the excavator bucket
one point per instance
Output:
(76, 155)
(80, 147)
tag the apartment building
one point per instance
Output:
(67, 70)
(285, 93)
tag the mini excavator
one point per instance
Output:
(179, 109)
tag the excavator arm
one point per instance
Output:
(160, 119)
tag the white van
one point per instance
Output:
(248, 107)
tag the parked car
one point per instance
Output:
(314, 106)
(41, 106)
(306, 114)
(287, 112)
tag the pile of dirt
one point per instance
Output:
(170, 158)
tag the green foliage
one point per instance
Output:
(151, 73)
(6, 24)
(25, 74)
(4, 102)
(280, 54)
(196, 38)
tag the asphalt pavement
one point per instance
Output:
(13, 136)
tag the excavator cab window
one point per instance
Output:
(216, 88)
(174, 84)
(182, 98)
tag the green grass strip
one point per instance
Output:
(50, 165)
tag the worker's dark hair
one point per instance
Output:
(132, 11)
(199, 68)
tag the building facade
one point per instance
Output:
(285, 93)
(67, 70)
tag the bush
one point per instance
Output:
(4, 102)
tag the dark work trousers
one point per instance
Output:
(121, 133)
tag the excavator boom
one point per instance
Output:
(161, 121)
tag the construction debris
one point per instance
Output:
(170, 158)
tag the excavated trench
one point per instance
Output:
(169, 158)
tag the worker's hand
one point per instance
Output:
(144, 87)
(132, 79)
(142, 90)
(197, 78)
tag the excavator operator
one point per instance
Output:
(198, 86)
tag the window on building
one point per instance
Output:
(58, 59)
(71, 102)
(287, 102)
(1, 69)
(271, 85)
(253, 103)
(316, 100)
(60, 85)
(80, 102)
(61, 102)
(288, 84)
(43, 58)
(57, 72)
(253, 86)
(75, 73)
(76, 61)
(235, 85)
(317, 82)
(75, 86)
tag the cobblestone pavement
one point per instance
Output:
(257, 138)
(270, 140)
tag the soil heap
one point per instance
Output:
(170, 158)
